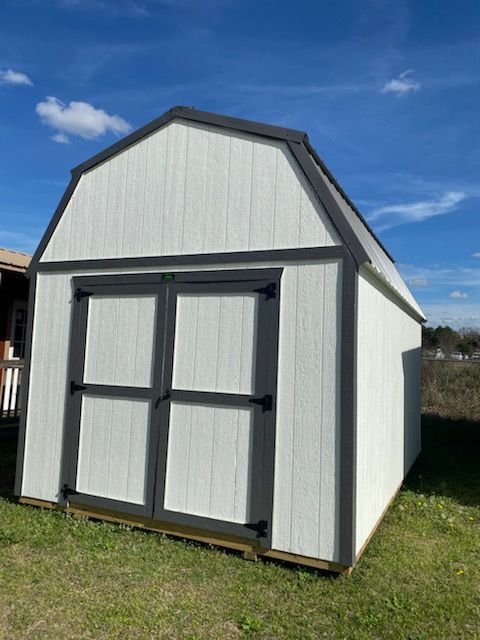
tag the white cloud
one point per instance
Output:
(475, 255)
(458, 294)
(78, 118)
(456, 315)
(418, 282)
(8, 76)
(438, 276)
(61, 138)
(396, 214)
(402, 85)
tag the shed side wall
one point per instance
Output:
(189, 189)
(306, 499)
(388, 400)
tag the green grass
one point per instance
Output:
(418, 579)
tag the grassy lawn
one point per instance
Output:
(418, 579)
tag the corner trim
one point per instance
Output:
(348, 413)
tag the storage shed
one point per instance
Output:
(219, 346)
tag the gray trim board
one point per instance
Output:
(297, 141)
(184, 277)
(348, 414)
(25, 387)
(269, 255)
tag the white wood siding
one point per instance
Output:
(191, 188)
(208, 466)
(215, 343)
(306, 498)
(120, 338)
(47, 388)
(113, 448)
(388, 400)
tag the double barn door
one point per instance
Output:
(171, 406)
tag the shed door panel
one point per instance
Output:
(113, 446)
(120, 337)
(115, 371)
(208, 461)
(215, 340)
(215, 467)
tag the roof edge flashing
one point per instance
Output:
(375, 272)
(329, 175)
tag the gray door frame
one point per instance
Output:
(167, 287)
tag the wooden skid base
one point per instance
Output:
(250, 551)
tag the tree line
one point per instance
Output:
(466, 340)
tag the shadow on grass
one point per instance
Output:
(449, 464)
(8, 458)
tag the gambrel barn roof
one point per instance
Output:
(351, 226)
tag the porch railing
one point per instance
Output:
(10, 383)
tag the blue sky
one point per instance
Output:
(388, 91)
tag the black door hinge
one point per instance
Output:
(76, 387)
(81, 293)
(261, 527)
(266, 402)
(68, 491)
(270, 291)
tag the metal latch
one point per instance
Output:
(261, 527)
(266, 402)
(269, 291)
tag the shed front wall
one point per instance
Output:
(388, 400)
(307, 464)
(188, 189)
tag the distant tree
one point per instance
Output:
(464, 347)
(429, 338)
(447, 338)
(470, 340)
(466, 340)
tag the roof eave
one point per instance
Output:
(339, 188)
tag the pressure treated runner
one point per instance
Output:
(250, 552)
